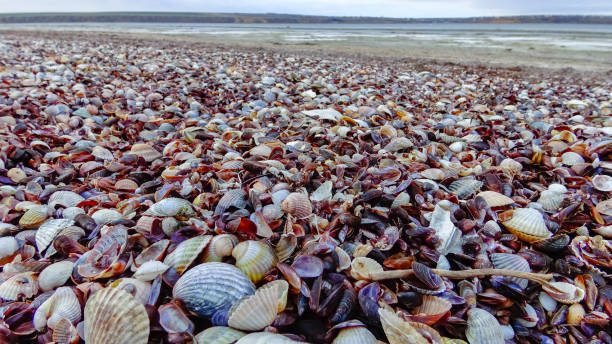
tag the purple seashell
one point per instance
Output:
(308, 266)
(368, 300)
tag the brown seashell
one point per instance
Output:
(297, 204)
(148, 225)
(153, 252)
(575, 314)
(254, 258)
(511, 166)
(527, 224)
(65, 333)
(400, 331)
(127, 185)
(431, 310)
(495, 199)
(16, 174)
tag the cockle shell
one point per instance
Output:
(431, 310)
(463, 188)
(495, 199)
(55, 275)
(602, 182)
(171, 207)
(145, 151)
(483, 328)
(400, 331)
(187, 252)
(62, 304)
(511, 166)
(113, 308)
(48, 230)
(211, 287)
(22, 285)
(527, 224)
(127, 185)
(285, 246)
(8, 246)
(65, 332)
(220, 246)
(257, 311)
(71, 212)
(551, 200)
(149, 270)
(65, 198)
(575, 314)
(236, 198)
(297, 204)
(353, 332)
(564, 292)
(33, 217)
(266, 338)
(512, 262)
(140, 290)
(219, 335)
(362, 267)
(104, 216)
(254, 258)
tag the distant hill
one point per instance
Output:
(275, 18)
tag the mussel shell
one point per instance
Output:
(554, 244)
(426, 275)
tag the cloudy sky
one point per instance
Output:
(388, 8)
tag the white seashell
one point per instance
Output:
(8, 246)
(495, 199)
(457, 146)
(571, 158)
(65, 198)
(398, 144)
(257, 311)
(49, 230)
(149, 270)
(254, 258)
(483, 328)
(186, 253)
(551, 200)
(547, 302)
(62, 304)
(530, 319)
(511, 167)
(527, 224)
(323, 192)
(448, 235)
(22, 285)
(355, 335)
(140, 290)
(219, 335)
(71, 212)
(463, 188)
(55, 275)
(512, 262)
(171, 206)
(104, 216)
(602, 182)
(266, 338)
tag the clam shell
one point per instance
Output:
(551, 200)
(171, 207)
(512, 262)
(362, 267)
(604, 207)
(483, 328)
(55, 275)
(102, 153)
(254, 258)
(565, 292)
(602, 182)
(145, 151)
(140, 290)
(527, 224)
(323, 192)
(33, 217)
(219, 335)
(113, 308)
(104, 216)
(398, 144)
(448, 235)
(511, 167)
(495, 199)
(149, 270)
(8, 246)
(355, 335)
(236, 198)
(63, 304)
(173, 319)
(297, 204)
(153, 252)
(463, 188)
(22, 285)
(126, 185)
(147, 224)
(285, 246)
(211, 287)
(266, 338)
(431, 310)
(65, 198)
(426, 275)
(187, 252)
(571, 158)
(49, 230)
(71, 212)
(65, 333)
(400, 331)
(257, 311)
(220, 246)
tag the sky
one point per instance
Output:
(375, 8)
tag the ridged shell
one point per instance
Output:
(431, 310)
(65, 333)
(149, 270)
(186, 252)
(551, 200)
(219, 335)
(140, 290)
(49, 230)
(355, 335)
(22, 285)
(398, 144)
(71, 212)
(400, 331)
(483, 328)
(145, 151)
(433, 174)
(266, 338)
(297, 204)
(553, 244)
(220, 246)
(55, 275)
(572, 158)
(566, 293)
(254, 258)
(463, 188)
(527, 224)
(512, 262)
(63, 304)
(8, 246)
(102, 153)
(211, 287)
(236, 198)
(103, 216)
(602, 182)
(495, 199)
(426, 275)
(257, 311)
(171, 207)
(510, 166)
(126, 185)
(113, 308)
(285, 246)
(65, 198)
(33, 217)
(362, 267)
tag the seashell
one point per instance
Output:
(575, 314)
(602, 182)
(512, 262)
(104, 216)
(547, 302)
(55, 275)
(272, 212)
(16, 174)
(219, 335)
(22, 285)
(426, 275)
(463, 188)
(145, 151)
(457, 146)
(571, 158)
(604, 207)
(448, 235)
(400, 331)
(495, 199)
(127, 185)
(153, 252)
(186, 253)
(65, 333)
(362, 267)
(323, 192)
(33, 217)
(114, 308)
(433, 174)
(71, 212)
(403, 199)
(297, 204)
(344, 260)
(254, 258)
(483, 328)
(140, 290)
(8, 246)
(431, 310)
(149, 270)
(65, 198)
(551, 200)
(173, 319)
(353, 332)
(605, 231)
(171, 207)
(211, 287)
(236, 198)
(257, 311)
(285, 246)
(527, 224)
(511, 167)
(266, 338)
(564, 292)
(102, 153)
(49, 230)
(397, 144)
(555, 243)
(63, 304)
(220, 246)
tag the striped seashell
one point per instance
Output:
(433, 174)
(353, 332)
(257, 311)
(285, 246)
(572, 158)
(71, 212)
(236, 198)
(63, 304)
(463, 188)
(495, 199)
(114, 316)
(266, 338)
(49, 230)
(126, 185)
(140, 290)
(186, 253)
(512, 262)
(297, 204)
(427, 276)
(254, 258)
(602, 182)
(22, 285)
(104, 216)
(65, 332)
(55, 275)
(220, 246)
(564, 292)
(431, 310)
(362, 267)
(511, 166)
(449, 139)
(65, 198)
(171, 207)
(33, 217)
(400, 331)
(555, 243)
(551, 200)
(145, 151)
(154, 252)
(211, 287)
(527, 224)
(219, 335)
(149, 270)
(483, 328)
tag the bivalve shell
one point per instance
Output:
(297, 204)
(355, 335)
(8, 246)
(65, 198)
(463, 188)
(362, 267)
(527, 224)
(551, 200)
(564, 292)
(236, 198)
(171, 207)
(140, 290)
(495, 199)
(602, 182)
(219, 335)
(103, 216)
(400, 331)
(33, 217)
(571, 158)
(149, 270)
(186, 253)
(63, 304)
(55, 275)
(431, 310)
(145, 151)
(257, 311)
(22, 285)
(254, 258)
(512, 262)
(65, 332)
(220, 246)
(511, 166)
(48, 230)
(266, 338)
(483, 328)
(604, 207)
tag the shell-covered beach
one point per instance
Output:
(182, 191)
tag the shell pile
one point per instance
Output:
(172, 194)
